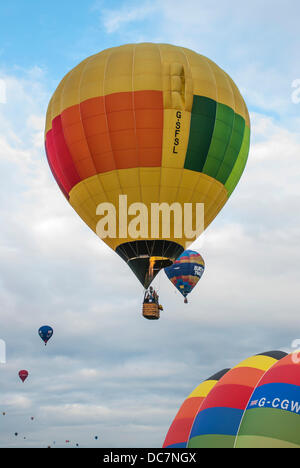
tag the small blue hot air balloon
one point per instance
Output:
(186, 272)
(45, 333)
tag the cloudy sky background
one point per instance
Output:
(107, 371)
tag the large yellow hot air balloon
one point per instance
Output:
(156, 124)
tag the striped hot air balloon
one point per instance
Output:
(272, 417)
(178, 434)
(255, 404)
(156, 124)
(186, 271)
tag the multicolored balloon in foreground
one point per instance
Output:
(23, 374)
(254, 405)
(155, 124)
(186, 272)
(45, 333)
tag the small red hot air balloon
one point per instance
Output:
(23, 374)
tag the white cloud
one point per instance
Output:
(16, 401)
(115, 19)
(257, 45)
(2, 91)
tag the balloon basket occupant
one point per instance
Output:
(151, 306)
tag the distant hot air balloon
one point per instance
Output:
(23, 374)
(151, 124)
(186, 272)
(249, 406)
(45, 333)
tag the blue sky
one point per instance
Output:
(108, 371)
(259, 41)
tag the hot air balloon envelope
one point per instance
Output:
(147, 124)
(272, 416)
(45, 333)
(23, 374)
(255, 404)
(186, 271)
(178, 434)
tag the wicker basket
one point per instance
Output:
(151, 311)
